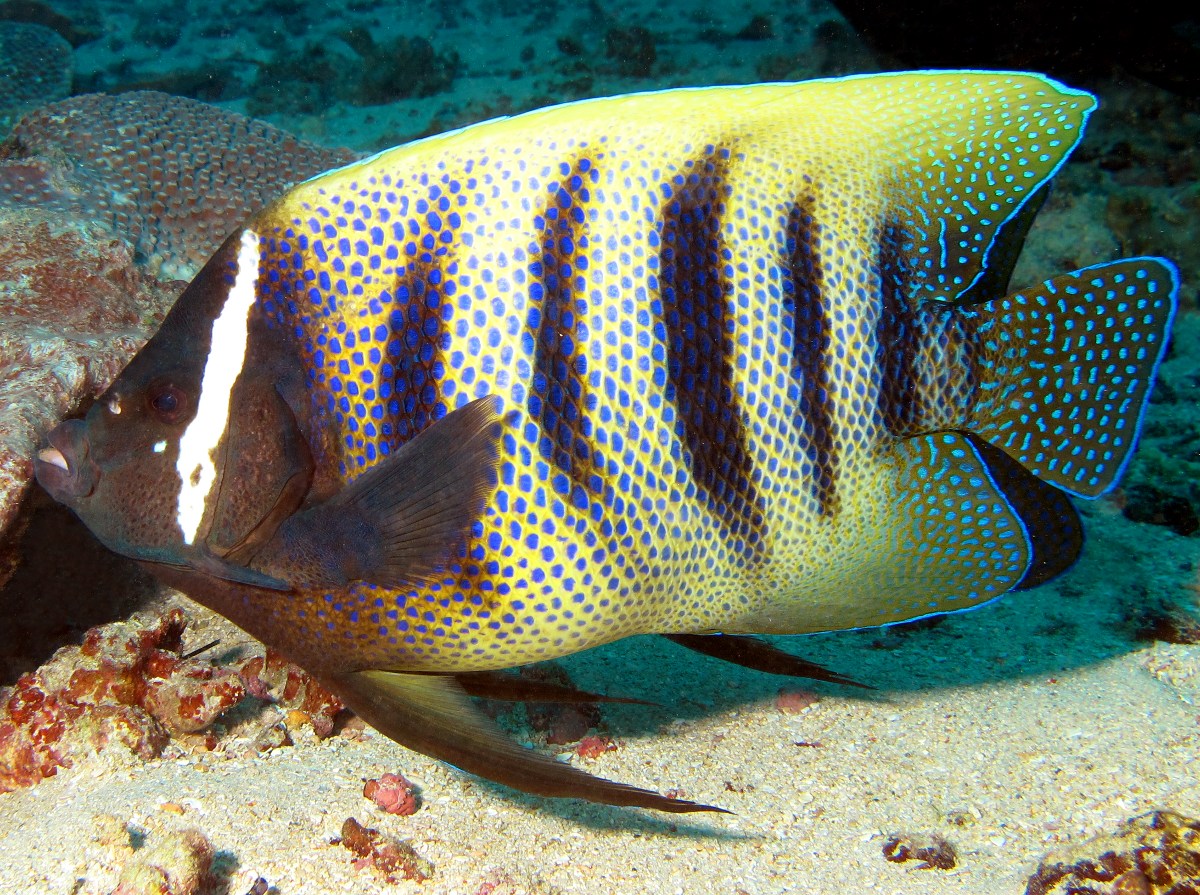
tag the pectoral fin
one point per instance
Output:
(210, 564)
(396, 523)
(432, 714)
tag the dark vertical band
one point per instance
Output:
(802, 284)
(697, 318)
(557, 321)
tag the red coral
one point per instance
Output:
(392, 859)
(172, 175)
(82, 279)
(561, 722)
(394, 793)
(569, 723)
(592, 747)
(73, 310)
(190, 698)
(124, 685)
(274, 679)
(793, 702)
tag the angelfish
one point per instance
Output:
(704, 363)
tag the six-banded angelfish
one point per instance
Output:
(726, 361)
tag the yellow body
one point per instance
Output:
(727, 360)
(685, 451)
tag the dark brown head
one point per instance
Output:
(193, 452)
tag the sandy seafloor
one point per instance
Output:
(1014, 730)
(1010, 731)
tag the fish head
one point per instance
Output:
(194, 455)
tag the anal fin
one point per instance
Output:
(958, 540)
(432, 714)
(1051, 523)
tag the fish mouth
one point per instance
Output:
(64, 468)
(54, 457)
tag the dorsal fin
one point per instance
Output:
(1010, 239)
(970, 163)
(943, 158)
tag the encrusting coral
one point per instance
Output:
(123, 686)
(1157, 853)
(127, 686)
(103, 200)
(35, 68)
(171, 175)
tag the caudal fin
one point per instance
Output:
(1062, 375)
(1066, 369)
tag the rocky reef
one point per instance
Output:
(107, 205)
(129, 688)
(1153, 854)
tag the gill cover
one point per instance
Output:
(193, 457)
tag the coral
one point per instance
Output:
(73, 309)
(35, 68)
(172, 862)
(270, 738)
(124, 685)
(90, 189)
(1162, 621)
(561, 722)
(1157, 853)
(393, 793)
(391, 858)
(793, 702)
(274, 679)
(172, 175)
(935, 852)
(592, 747)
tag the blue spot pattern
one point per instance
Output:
(731, 386)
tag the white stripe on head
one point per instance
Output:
(226, 357)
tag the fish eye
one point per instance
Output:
(167, 401)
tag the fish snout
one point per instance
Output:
(65, 468)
